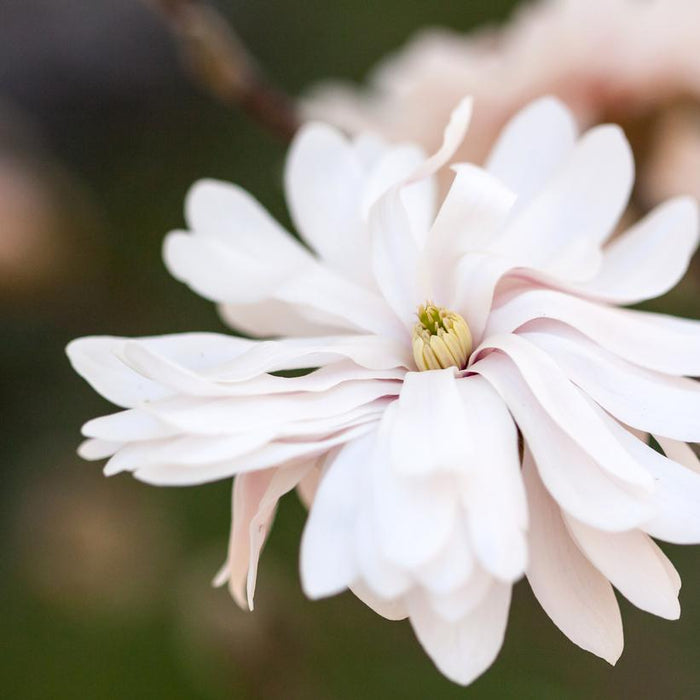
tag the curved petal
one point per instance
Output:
(650, 258)
(577, 209)
(575, 595)
(662, 343)
(225, 213)
(567, 407)
(677, 497)
(393, 609)
(429, 405)
(492, 491)
(645, 400)
(463, 650)
(532, 146)
(575, 481)
(324, 182)
(634, 565)
(327, 562)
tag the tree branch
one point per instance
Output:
(219, 61)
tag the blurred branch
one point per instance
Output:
(219, 61)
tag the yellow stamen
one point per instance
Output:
(441, 339)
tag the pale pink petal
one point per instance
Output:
(677, 497)
(429, 406)
(560, 219)
(451, 568)
(662, 343)
(575, 481)
(646, 400)
(227, 214)
(454, 605)
(328, 564)
(492, 489)
(575, 595)
(633, 564)
(463, 650)
(651, 257)
(532, 146)
(679, 452)
(272, 455)
(567, 407)
(392, 609)
(415, 516)
(324, 183)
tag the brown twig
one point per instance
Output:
(219, 61)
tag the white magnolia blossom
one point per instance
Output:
(439, 339)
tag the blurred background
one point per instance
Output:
(105, 585)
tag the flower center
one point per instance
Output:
(441, 339)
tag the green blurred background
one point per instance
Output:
(106, 583)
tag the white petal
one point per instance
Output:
(383, 578)
(98, 449)
(532, 146)
(567, 407)
(271, 455)
(226, 213)
(651, 257)
(463, 650)
(393, 609)
(575, 595)
(223, 416)
(395, 256)
(662, 343)
(677, 497)
(453, 606)
(414, 516)
(248, 491)
(418, 198)
(429, 415)
(679, 452)
(94, 359)
(580, 206)
(492, 490)
(324, 183)
(222, 273)
(633, 564)
(474, 210)
(648, 401)
(576, 482)
(272, 317)
(328, 564)
(451, 568)
(452, 138)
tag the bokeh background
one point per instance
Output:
(105, 584)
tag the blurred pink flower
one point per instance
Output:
(438, 338)
(608, 60)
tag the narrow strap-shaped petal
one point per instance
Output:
(575, 595)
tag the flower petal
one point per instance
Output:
(648, 401)
(662, 343)
(532, 146)
(577, 209)
(429, 411)
(575, 481)
(651, 257)
(463, 650)
(327, 563)
(634, 564)
(575, 595)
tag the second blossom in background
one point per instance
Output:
(626, 61)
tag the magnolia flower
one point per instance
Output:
(631, 60)
(437, 340)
